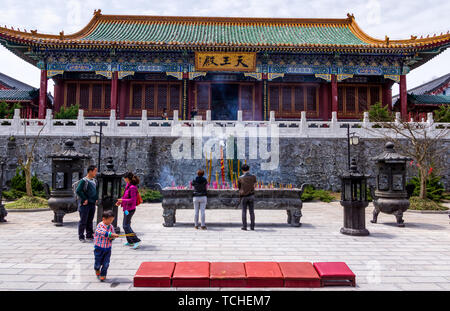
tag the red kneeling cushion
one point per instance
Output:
(228, 274)
(191, 274)
(263, 274)
(154, 274)
(299, 274)
(335, 273)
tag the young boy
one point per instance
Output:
(104, 234)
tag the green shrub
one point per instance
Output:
(417, 203)
(27, 202)
(18, 183)
(67, 113)
(442, 114)
(7, 112)
(150, 196)
(12, 194)
(310, 194)
(379, 113)
(435, 189)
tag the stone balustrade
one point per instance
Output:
(145, 127)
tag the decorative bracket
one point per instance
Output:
(176, 74)
(343, 76)
(195, 74)
(255, 75)
(396, 78)
(325, 76)
(52, 73)
(123, 74)
(107, 74)
(271, 76)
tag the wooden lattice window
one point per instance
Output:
(354, 99)
(93, 97)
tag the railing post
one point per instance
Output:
(397, 118)
(175, 116)
(15, 124)
(366, 123)
(303, 123)
(208, 115)
(144, 122)
(239, 115)
(430, 121)
(48, 122)
(80, 122)
(272, 116)
(111, 129)
(334, 126)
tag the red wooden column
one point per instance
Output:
(324, 101)
(58, 95)
(123, 92)
(265, 99)
(114, 89)
(334, 93)
(185, 105)
(387, 95)
(43, 95)
(403, 97)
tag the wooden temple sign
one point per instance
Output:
(225, 61)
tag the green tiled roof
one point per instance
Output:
(16, 95)
(429, 99)
(201, 33)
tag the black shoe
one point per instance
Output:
(252, 228)
(244, 228)
(82, 240)
(204, 228)
(89, 239)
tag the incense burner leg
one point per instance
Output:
(294, 215)
(399, 217)
(289, 216)
(169, 217)
(375, 213)
(58, 220)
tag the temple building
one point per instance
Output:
(426, 97)
(222, 64)
(13, 91)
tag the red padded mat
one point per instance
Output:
(335, 273)
(154, 274)
(228, 274)
(191, 274)
(263, 274)
(299, 274)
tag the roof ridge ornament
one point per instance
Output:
(97, 12)
(350, 16)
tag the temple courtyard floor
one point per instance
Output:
(36, 255)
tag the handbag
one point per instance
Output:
(139, 199)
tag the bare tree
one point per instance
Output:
(26, 159)
(421, 141)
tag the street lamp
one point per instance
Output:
(97, 139)
(353, 140)
(3, 211)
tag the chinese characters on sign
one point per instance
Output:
(225, 61)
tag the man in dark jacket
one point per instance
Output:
(199, 197)
(89, 196)
(246, 185)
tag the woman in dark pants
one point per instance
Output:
(128, 203)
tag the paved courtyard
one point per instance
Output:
(36, 255)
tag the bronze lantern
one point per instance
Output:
(354, 201)
(391, 195)
(109, 190)
(67, 168)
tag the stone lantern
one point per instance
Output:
(67, 168)
(109, 190)
(391, 196)
(354, 201)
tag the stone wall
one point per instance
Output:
(302, 160)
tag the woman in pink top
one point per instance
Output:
(128, 203)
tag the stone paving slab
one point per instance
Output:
(42, 256)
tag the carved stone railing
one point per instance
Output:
(148, 127)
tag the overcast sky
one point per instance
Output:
(398, 19)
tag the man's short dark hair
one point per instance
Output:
(107, 214)
(245, 168)
(91, 168)
(200, 173)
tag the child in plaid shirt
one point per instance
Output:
(103, 236)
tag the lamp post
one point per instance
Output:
(97, 139)
(353, 140)
(3, 211)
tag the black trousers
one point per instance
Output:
(127, 227)
(87, 213)
(248, 202)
